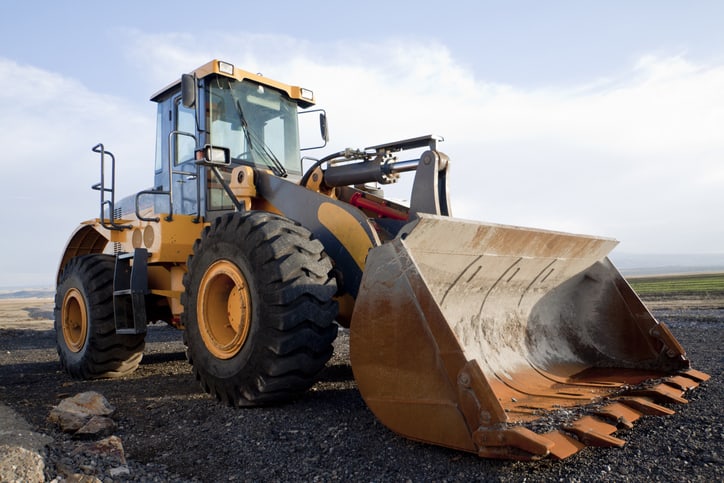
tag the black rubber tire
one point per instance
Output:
(86, 290)
(291, 321)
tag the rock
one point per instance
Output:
(75, 412)
(19, 446)
(69, 422)
(97, 426)
(86, 415)
(99, 461)
(20, 465)
(91, 403)
(109, 449)
(119, 471)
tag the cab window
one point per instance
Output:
(185, 130)
(159, 138)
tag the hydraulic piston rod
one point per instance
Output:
(367, 172)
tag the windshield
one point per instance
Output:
(257, 123)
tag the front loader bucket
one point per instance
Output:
(508, 342)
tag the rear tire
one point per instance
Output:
(86, 337)
(258, 309)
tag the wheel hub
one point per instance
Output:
(224, 309)
(74, 320)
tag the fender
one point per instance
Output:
(88, 238)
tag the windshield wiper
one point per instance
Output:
(256, 143)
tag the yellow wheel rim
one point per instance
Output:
(223, 309)
(74, 320)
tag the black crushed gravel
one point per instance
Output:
(172, 431)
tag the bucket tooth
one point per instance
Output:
(564, 445)
(646, 406)
(681, 382)
(696, 375)
(619, 413)
(594, 432)
(661, 393)
(512, 443)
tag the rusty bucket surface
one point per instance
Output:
(508, 342)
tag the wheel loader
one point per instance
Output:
(503, 341)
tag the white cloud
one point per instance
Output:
(50, 123)
(637, 156)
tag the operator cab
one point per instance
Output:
(248, 118)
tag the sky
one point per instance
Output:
(603, 118)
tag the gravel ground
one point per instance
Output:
(172, 431)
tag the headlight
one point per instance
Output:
(226, 68)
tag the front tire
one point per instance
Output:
(86, 338)
(258, 309)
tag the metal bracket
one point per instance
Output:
(429, 190)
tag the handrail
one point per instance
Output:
(137, 204)
(110, 203)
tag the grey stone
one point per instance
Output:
(18, 464)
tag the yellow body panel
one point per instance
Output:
(166, 241)
(346, 229)
(169, 244)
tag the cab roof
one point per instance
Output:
(304, 97)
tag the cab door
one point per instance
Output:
(182, 145)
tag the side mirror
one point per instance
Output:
(307, 127)
(188, 90)
(215, 155)
(323, 129)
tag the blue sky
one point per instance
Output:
(594, 117)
